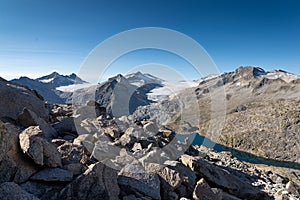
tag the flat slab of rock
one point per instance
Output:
(38, 148)
(222, 178)
(10, 190)
(98, 182)
(134, 179)
(42, 190)
(53, 174)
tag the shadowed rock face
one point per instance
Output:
(118, 95)
(13, 191)
(14, 98)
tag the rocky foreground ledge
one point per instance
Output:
(52, 160)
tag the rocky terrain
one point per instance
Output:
(83, 151)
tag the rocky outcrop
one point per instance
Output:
(10, 190)
(53, 175)
(134, 179)
(223, 179)
(204, 192)
(28, 118)
(13, 165)
(41, 151)
(98, 181)
(14, 98)
(139, 156)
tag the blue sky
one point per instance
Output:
(38, 37)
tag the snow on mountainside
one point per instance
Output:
(139, 79)
(56, 80)
(286, 76)
(46, 85)
(170, 88)
(72, 88)
(174, 88)
(56, 88)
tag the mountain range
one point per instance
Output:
(46, 85)
(141, 144)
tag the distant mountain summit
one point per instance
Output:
(140, 79)
(46, 85)
(121, 95)
(57, 80)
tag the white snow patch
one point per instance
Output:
(288, 77)
(47, 80)
(170, 88)
(72, 88)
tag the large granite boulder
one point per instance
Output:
(98, 182)
(10, 190)
(13, 164)
(41, 151)
(222, 178)
(14, 98)
(29, 118)
(134, 179)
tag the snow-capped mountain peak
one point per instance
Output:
(281, 74)
(47, 85)
(59, 80)
(139, 79)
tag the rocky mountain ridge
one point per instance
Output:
(57, 151)
(46, 85)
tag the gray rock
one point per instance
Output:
(13, 165)
(14, 98)
(227, 196)
(169, 178)
(133, 179)
(170, 196)
(104, 151)
(42, 190)
(29, 118)
(182, 191)
(293, 188)
(112, 131)
(53, 174)
(131, 136)
(222, 178)
(12, 191)
(71, 153)
(186, 174)
(65, 125)
(99, 181)
(86, 140)
(151, 128)
(75, 168)
(204, 192)
(130, 197)
(137, 147)
(38, 148)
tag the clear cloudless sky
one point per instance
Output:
(41, 36)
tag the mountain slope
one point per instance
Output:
(14, 98)
(46, 85)
(261, 112)
(119, 95)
